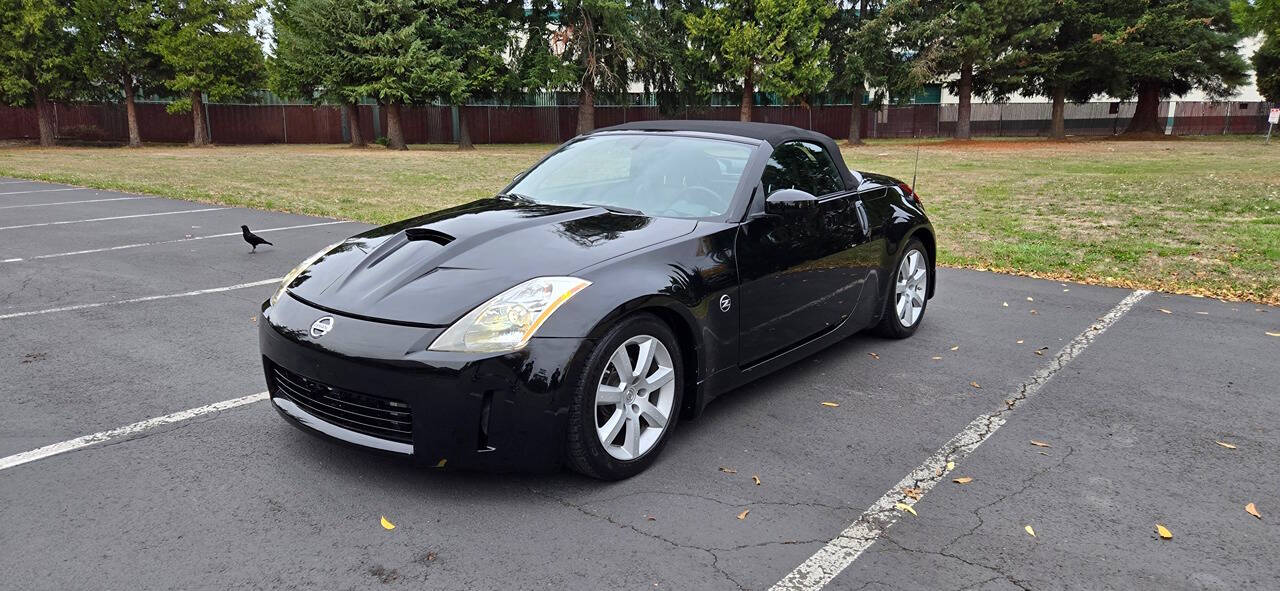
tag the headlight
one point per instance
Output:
(508, 321)
(291, 275)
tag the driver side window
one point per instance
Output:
(801, 165)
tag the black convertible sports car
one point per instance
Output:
(617, 286)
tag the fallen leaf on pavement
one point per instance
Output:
(650, 518)
(1041, 350)
(1005, 305)
(975, 385)
(1164, 532)
(727, 470)
(831, 404)
(441, 463)
(1019, 341)
(1273, 334)
(936, 358)
(1225, 444)
(431, 556)
(1034, 312)
(1030, 532)
(387, 525)
(873, 355)
(907, 508)
(914, 493)
(1008, 402)
(951, 466)
(743, 514)
(756, 478)
(955, 347)
(1040, 443)
(1252, 510)
(962, 480)
(1165, 311)
(1030, 299)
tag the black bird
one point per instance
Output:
(253, 239)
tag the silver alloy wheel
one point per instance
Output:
(634, 397)
(912, 285)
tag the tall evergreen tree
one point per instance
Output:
(38, 59)
(601, 43)
(471, 39)
(211, 50)
(770, 45)
(981, 44)
(664, 62)
(115, 40)
(865, 64)
(313, 42)
(1166, 48)
(1263, 16)
(1071, 63)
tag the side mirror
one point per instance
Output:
(785, 201)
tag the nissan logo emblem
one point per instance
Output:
(321, 327)
(725, 303)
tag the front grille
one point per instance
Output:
(379, 417)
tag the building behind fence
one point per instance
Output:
(309, 124)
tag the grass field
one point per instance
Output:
(1196, 215)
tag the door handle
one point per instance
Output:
(862, 219)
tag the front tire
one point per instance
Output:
(626, 401)
(908, 295)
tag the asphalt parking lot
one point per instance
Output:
(118, 308)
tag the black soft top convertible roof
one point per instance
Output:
(770, 132)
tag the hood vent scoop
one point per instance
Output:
(428, 234)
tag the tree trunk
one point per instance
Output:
(395, 135)
(587, 105)
(1146, 115)
(748, 93)
(965, 109)
(201, 136)
(131, 113)
(353, 124)
(855, 117)
(44, 117)
(464, 134)
(1058, 124)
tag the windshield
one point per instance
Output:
(657, 175)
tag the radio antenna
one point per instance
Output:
(916, 170)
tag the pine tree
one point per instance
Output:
(601, 42)
(865, 65)
(1072, 63)
(1166, 48)
(210, 50)
(981, 44)
(114, 38)
(769, 45)
(38, 61)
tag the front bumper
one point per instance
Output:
(487, 411)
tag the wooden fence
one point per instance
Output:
(307, 124)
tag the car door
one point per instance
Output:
(801, 271)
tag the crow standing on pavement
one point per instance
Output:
(253, 239)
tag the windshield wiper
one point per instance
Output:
(517, 198)
(616, 208)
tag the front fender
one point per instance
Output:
(681, 281)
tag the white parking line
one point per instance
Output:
(142, 299)
(125, 431)
(828, 562)
(41, 191)
(117, 217)
(72, 202)
(141, 244)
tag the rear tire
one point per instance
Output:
(908, 294)
(622, 414)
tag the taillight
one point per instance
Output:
(910, 194)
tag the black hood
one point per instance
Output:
(432, 269)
